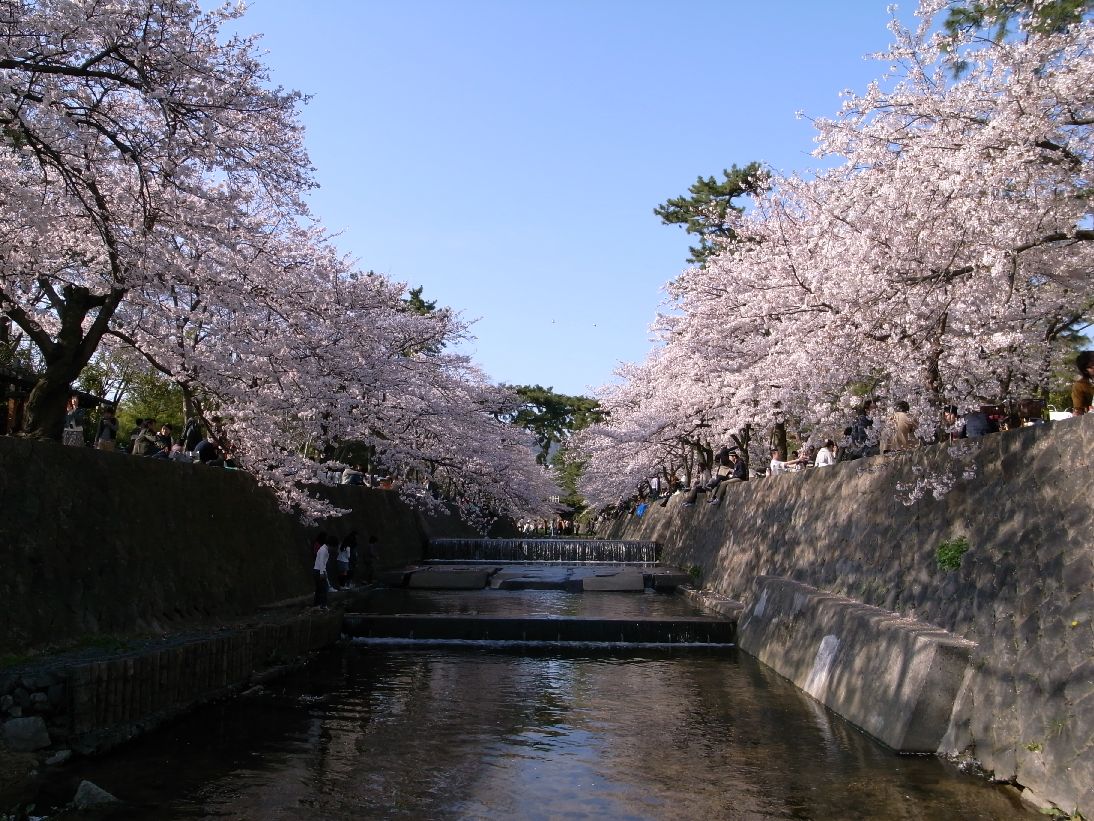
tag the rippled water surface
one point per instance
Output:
(489, 734)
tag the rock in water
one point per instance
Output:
(24, 735)
(90, 795)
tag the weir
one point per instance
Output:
(554, 593)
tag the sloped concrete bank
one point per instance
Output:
(1023, 593)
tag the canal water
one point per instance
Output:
(492, 733)
(528, 603)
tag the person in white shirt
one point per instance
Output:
(777, 465)
(826, 455)
(319, 571)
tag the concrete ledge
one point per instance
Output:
(667, 579)
(674, 630)
(713, 602)
(894, 677)
(393, 578)
(89, 705)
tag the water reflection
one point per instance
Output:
(490, 735)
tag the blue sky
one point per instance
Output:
(507, 155)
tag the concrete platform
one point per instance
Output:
(674, 630)
(667, 579)
(894, 677)
(394, 578)
(626, 579)
(450, 578)
(536, 578)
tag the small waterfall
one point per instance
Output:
(543, 550)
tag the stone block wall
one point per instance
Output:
(1024, 592)
(98, 543)
(92, 705)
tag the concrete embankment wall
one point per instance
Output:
(1024, 592)
(90, 705)
(94, 543)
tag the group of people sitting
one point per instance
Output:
(192, 446)
(827, 455)
(151, 441)
(897, 434)
(729, 467)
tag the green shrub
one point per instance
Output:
(949, 553)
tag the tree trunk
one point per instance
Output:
(65, 355)
(934, 382)
(778, 439)
(44, 413)
(743, 440)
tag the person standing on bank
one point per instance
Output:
(106, 436)
(347, 551)
(319, 574)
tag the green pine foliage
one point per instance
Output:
(708, 208)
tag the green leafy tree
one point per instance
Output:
(150, 394)
(552, 417)
(709, 208)
(996, 19)
(415, 303)
(568, 469)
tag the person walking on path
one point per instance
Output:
(347, 551)
(343, 566)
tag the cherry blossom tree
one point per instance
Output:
(937, 259)
(151, 195)
(128, 130)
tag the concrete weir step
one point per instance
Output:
(671, 630)
(590, 577)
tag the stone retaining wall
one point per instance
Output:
(96, 543)
(1024, 592)
(89, 706)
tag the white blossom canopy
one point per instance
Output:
(152, 189)
(937, 259)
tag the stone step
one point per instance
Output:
(572, 578)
